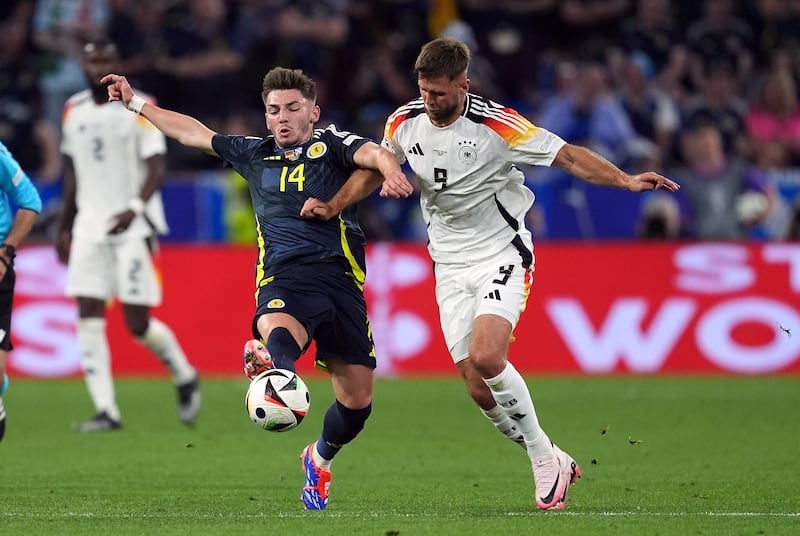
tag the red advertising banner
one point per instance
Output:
(608, 308)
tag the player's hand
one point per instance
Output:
(63, 242)
(314, 208)
(118, 88)
(121, 222)
(396, 185)
(649, 181)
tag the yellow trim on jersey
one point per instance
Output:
(358, 273)
(262, 253)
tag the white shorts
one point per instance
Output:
(109, 269)
(498, 286)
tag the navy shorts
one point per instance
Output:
(325, 299)
(6, 302)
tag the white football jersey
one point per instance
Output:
(108, 145)
(474, 199)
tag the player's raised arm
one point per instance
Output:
(361, 183)
(184, 129)
(373, 156)
(593, 168)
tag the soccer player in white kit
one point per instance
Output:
(464, 148)
(107, 234)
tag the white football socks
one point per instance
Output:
(504, 424)
(321, 462)
(96, 365)
(160, 339)
(512, 395)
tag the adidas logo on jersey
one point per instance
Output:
(416, 149)
(493, 295)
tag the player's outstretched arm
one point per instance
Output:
(184, 129)
(595, 169)
(360, 184)
(373, 156)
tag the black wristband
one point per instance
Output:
(11, 251)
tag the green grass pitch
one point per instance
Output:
(710, 455)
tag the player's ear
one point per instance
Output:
(315, 112)
(267, 122)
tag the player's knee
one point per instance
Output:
(137, 319)
(283, 348)
(487, 364)
(138, 327)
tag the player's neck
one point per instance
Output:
(450, 119)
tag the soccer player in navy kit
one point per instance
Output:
(310, 273)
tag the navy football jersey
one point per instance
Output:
(280, 181)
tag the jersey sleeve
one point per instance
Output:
(66, 140)
(16, 183)
(540, 149)
(343, 144)
(388, 141)
(237, 152)
(523, 141)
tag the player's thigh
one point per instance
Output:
(348, 336)
(91, 271)
(297, 302)
(502, 285)
(457, 303)
(137, 278)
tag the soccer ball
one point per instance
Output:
(277, 400)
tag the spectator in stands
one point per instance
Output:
(660, 218)
(61, 27)
(776, 26)
(28, 135)
(589, 113)
(590, 25)
(20, 9)
(792, 231)
(201, 53)
(653, 32)
(719, 103)
(722, 196)
(516, 38)
(135, 27)
(203, 49)
(384, 38)
(720, 37)
(773, 122)
(312, 35)
(654, 114)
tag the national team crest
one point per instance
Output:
(317, 149)
(277, 303)
(467, 152)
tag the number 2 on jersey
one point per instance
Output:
(297, 176)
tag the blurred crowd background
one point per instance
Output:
(704, 91)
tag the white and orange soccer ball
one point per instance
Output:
(277, 400)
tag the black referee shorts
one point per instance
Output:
(6, 303)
